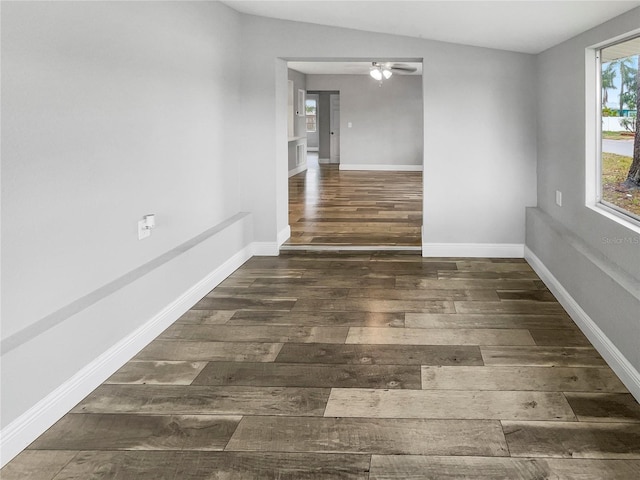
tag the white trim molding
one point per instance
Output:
(487, 250)
(265, 249)
(284, 235)
(350, 248)
(614, 357)
(28, 426)
(382, 168)
(271, 249)
(297, 170)
(325, 161)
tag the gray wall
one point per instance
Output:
(111, 110)
(299, 122)
(387, 121)
(595, 258)
(486, 174)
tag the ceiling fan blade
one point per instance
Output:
(403, 68)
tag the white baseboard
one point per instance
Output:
(297, 170)
(26, 428)
(271, 249)
(487, 250)
(265, 249)
(350, 248)
(284, 235)
(616, 360)
(382, 168)
(326, 161)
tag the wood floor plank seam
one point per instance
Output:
(332, 207)
(505, 439)
(510, 389)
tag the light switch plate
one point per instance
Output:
(558, 198)
(143, 232)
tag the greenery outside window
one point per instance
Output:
(311, 108)
(619, 172)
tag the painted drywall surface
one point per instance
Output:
(562, 140)
(480, 152)
(59, 352)
(299, 121)
(111, 110)
(386, 120)
(478, 178)
(609, 295)
(299, 83)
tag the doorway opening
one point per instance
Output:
(360, 183)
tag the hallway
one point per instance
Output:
(367, 366)
(332, 207)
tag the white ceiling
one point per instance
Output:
(517, 25)
(346, 68)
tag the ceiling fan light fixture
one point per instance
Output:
(387, 72)
(376, 73)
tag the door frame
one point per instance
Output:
(334, 126)
(282, 226)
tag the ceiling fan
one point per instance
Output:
(381, 71)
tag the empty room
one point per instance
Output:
(194, 286)
(361, 186)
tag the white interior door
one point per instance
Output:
(334, 127)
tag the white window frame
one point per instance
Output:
(593, 136)
(302, 96)
(315, 101)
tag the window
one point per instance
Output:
(311, 108)
(619, 172)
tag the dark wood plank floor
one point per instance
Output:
(365, 366)
(364, 208)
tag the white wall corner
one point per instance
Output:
(486, 250)
(25, 429)
(614, 357)
(271, 249)
(284, 235)
(382, 168)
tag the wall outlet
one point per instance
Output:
(349, 124)
(558, 198)
(143, 231)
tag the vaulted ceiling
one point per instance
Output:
(517, 25)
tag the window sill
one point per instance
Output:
(616, 216)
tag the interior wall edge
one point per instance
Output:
(284, 235)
